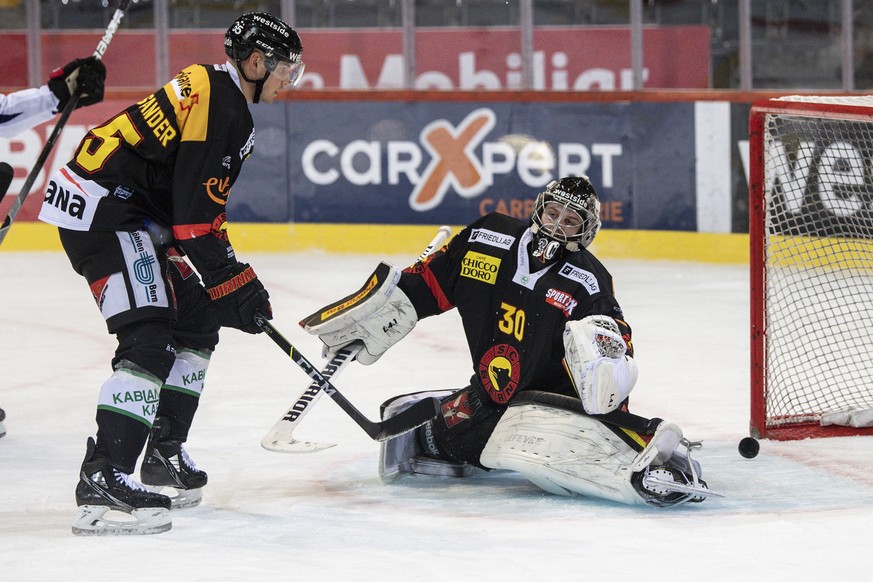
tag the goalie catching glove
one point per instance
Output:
(378, 315)
(596, 357)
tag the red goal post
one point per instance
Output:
(811, 267)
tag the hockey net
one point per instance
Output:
(811, 253)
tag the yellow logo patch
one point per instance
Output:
(480, 267)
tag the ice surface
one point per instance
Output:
(799, 511)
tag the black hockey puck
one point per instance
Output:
(749, 447)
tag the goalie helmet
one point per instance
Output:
(278, 41)
(566, 217)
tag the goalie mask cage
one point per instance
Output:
(811, 258)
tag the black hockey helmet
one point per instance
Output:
(278, 41)
(564, 204)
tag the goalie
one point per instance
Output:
(551, 353)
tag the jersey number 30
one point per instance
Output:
(512, 322)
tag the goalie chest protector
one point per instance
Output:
(513, 312)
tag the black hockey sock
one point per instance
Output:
(120, 439)
(179, 409)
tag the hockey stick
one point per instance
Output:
(280, 438)
(413, 417)
(65, 115)
(442, 236)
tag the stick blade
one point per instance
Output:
(411, 418)
(293, 446)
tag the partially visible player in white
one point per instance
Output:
(24, 109)
(21, 110)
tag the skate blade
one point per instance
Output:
(650, 483)
(93, 521)
(179, 498)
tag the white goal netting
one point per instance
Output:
(817, 251)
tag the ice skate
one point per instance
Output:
(665, 486)
(111, 503)
(675, 482)
(166, 464)
(2, 426)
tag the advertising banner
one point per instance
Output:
(430, 162)
(443, 162)
(580, 59)
(574, 59)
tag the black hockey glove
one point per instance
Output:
(88, 75)
(239, 298)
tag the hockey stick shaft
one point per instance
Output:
(413, 417)
(59, 126)
(280, 438)
(441, 237)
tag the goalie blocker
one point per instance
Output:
(378, 315)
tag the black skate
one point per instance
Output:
(167, 464)
(103, 488)
(2, 426)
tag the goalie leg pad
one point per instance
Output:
(568, 453)
(562, 452)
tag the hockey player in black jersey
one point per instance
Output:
(144, 195)
(552, 360)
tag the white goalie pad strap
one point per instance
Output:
(661, 448)
(563, 452)
(596, 358)
(379, 316)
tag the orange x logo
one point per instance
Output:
(453, 161)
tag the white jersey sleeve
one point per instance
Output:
(24, 109)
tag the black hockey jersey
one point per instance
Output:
(513, 316)
(165, 163)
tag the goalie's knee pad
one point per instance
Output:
(415, 452)
(565, 452)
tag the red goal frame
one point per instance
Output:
(760, 425)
